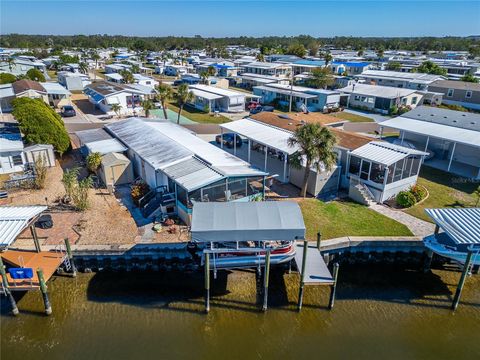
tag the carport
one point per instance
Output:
(269, 141)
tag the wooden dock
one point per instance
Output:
(48, 261)
(316, 271)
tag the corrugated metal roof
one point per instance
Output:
(262, 133)
(461, 225)
(91, 135)
(106, 146)
(386, 92)
(439, 131)
(285, 91)
(113, 158)
(14, 219)
(384, 153)
(192, 174)
(247, 221)
(217, 91)
(204, 94)
(459, 119)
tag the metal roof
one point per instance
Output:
(10, 138)
(247, 221)
(439, 131)
(460, 119)
(154, 147)
(462, 225)
(91, 135)
(398, 75)
(284, 91)
(386, 92)
(14, 219)
(205, 94)
(55, 88)
(217, 91)
(106, 146)
(192, 174)
(262, 133)
(384, 153)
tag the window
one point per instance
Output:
(450, 92)
(404, 101)
(414, 100)
(468, 95)
(354, 165)
(398, 170)
(237, 188)
(365, 170)
(17, 160)
(377, 174)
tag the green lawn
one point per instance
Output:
(446, 190)
(346, 218)
(199, 116)
(351, 117)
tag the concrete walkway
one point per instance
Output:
(417, 227)
(378, 118)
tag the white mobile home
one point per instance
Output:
(212, 98)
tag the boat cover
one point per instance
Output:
(247, 221)
(461, 224)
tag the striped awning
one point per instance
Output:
(461, 225)
(14, 219)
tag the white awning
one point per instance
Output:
(192, 174)
(462, 225)
(247, 221)
(264, 134)
(384, 153)
(14, 219)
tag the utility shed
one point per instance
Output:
(115, 169)
(247, 221)
(42, 151)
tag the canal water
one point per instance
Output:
(380, 313)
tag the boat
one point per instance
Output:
(442, 245)
(230, 255)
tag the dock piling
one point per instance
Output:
(73, 269)
(265, 280)
(302, 275)
(207, 282)
(333, 287)
(8, 293)
(43, 289)
(319, 238)
(463, 277)
(33, 231)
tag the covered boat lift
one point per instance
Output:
(459, 240)
(263, 224)
(27, 270)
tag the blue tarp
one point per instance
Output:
(21, 273)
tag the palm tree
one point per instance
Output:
(147, 105)
(260, 57)
(211, 71)
(116, 108)
(327, 57)
(321, 78)
(204, 76)
(10, 62)
(83, 67)
(165, 93)
(183, 96)
(95, 57)
(315, 148)
(127, 77)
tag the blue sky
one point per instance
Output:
(233, 18)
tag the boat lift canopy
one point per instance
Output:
(15, 219)
(247, 221)
(461, 225)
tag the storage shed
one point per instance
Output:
(43, 151)
(115, 169)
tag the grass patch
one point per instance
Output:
(3, 178)
(199, 116)
(347, 218)
(351, 117)
(52, 74)
(446, 190)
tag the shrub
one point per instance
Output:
(93, 161)
(80, 194)
(6, 78)
(35, 75)
(406, 199)
(419, 192)
(40, 172)
(138, 190)
(40, 124)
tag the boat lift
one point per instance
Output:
(459, 240)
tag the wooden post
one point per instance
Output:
(8, 293)
(319, 238)
(207, 282)
(302, 275)
(333, 288)
(458, 293)
(429, 256)
(73, 268)
(35, 238)
(265, 280)
(43, 289)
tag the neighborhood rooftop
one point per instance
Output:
(378, 91)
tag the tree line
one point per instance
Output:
(275, 43)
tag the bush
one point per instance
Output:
(139, 190)
(93, 161)
(40, 124)
(419, 192)
(406, 199)
(6, 78)
(35, 75)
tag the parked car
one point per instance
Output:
(68, 111)
(228, 140)
(261, 108)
